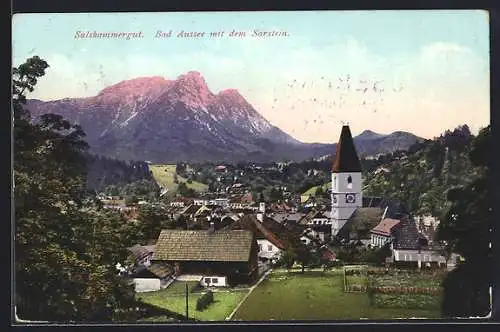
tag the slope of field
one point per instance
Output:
(315, 296)
(164, 175)
(173, 298)
(312, 191)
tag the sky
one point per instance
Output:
(418, 71)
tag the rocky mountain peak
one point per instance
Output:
(136, 86)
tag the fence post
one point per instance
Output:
(187, 307)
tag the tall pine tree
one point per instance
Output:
(65, 249)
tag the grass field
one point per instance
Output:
(315, 296)
(173, 299)
(312, 191)
(164, 175)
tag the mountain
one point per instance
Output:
(160, 120)
(371, 143)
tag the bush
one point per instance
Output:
(204, 301)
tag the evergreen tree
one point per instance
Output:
(65, 248)
(466, 229)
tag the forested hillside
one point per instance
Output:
(422, 176)
(103, 172)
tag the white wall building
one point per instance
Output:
(422, 257)
(268, 250)
(346, 194)
(213, 281)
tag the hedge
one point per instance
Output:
(406, 290)
(355, 288)
(204, 301)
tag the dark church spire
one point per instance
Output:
(346, 158)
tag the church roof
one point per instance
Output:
(346, 158)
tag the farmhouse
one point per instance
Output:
(410, 248)
(209, 253)
(194, 210)
(152, 278)
(180, 202)
(383, 232)
(270, 244)
(141, 255)
(319, 222)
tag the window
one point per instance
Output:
(215, 280)
(349, 182)
(334, 182)
(270, 248)
(207, 280)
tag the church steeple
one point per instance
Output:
(346, 158)
(346, 195)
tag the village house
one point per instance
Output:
(143, 274)
(181, 202)
(194, 211)
(427, 226)
(270, 245)
(410, 248)
(223, 256)
(383, 232)
(141, 255)
(236, 203)
(152, 277)
(318, 222)
(288, 219)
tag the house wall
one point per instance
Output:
(264, 252)
(145, 261)
(414, 256)
(377, 240)
(146, 284)
(305, 240)
(215, 281)
(319, 221)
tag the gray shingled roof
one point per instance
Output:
(161, 270)
(218, 246)
(361, 222)
(139, 251)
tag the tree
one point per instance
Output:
(466, 230)
(152, 221)
(275, 195)
(65, 248)
(131, 200)
(288, 258)
(184, 191)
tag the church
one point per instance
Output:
(346, 195)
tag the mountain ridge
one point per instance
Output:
(162, 120)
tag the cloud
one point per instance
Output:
(438, 49)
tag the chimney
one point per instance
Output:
(385, 212)
(262, 207)
(212, 227)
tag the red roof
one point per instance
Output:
(385, 226)
(327, 254)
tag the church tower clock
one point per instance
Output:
(346, 181)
